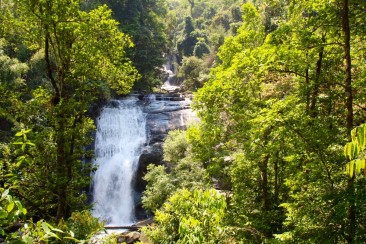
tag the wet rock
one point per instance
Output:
(130, 237)
(164, 112)
(144, 222)
(150, 155)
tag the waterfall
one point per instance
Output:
(168, 84)
(120, 136)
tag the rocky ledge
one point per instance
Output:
(165, 112)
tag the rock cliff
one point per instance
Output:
(165, 112)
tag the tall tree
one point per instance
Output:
(83, 52)
(143, 21)
(274, 108)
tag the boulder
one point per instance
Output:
(130, 237)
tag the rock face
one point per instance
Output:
(131, 237)
(165, 112)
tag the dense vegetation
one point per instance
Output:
(278, 155)
(276, 112)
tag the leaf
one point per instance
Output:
(71, 238)
(351, 168)
(10, 207)
(45, 227)
(57, 230)
(364, 135)
(353, 134)
(20, 162)
(360, 164)
(348, 150)
(3, 214)
(20, 207)
(356, 150)
(361, 137)
(5, 193)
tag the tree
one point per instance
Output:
(144, 22)
(190, 72)
(186, 44)
(201, 48)
(273, 125)
(82, 51)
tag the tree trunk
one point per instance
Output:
(348, 66)
(315, 93)
(56, 97)
(263, 167)
(264, 184)
(349, 119)
(307, 82)
(276, 179)
(61, 174)
(191, 2)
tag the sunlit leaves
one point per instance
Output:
(11, 210)
(184, 172)
(190, 217)
(83, 45)
(354, 151)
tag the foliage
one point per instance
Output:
(198, 30)
(354, 151)
(184, 172)
(189, 40)
(200, 48)
(34, 175)
(190, 217)
(82, 224)
(11, 211)
(159, 187)
(280, 86)
(84, 54)
(143, 21)
(79, 228)
(42, 232)
(273, 124)
(175, 146)
(191, 70)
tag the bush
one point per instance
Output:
(79, 228)
(190, 217)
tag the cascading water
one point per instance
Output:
(121, 134)
(168, 86)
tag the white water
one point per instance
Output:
(168, 86)
(121, 133)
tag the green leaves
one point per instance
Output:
(190, 217)
(77, 229)
(354, 151)
(11, 210)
